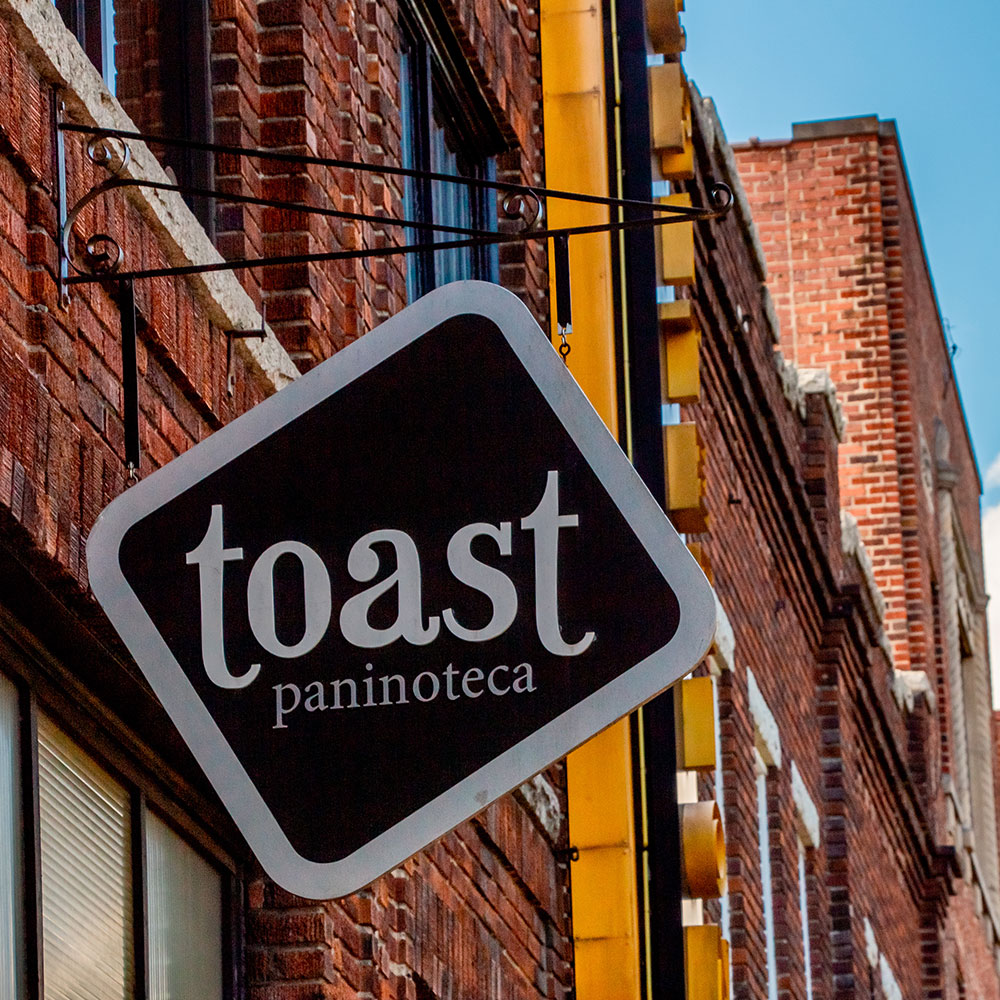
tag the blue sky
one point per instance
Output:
(935, 69)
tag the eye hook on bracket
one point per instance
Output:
(523, 205)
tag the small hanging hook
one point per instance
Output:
(564, 303)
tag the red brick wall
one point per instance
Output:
(967, 957)
(237, 103)
(839, 232)
(848, 274)
(819, 215)
(774, 535)
(61, 435)
(485, 912)
(481, 914)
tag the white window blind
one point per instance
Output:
(86, 874)
(12, 983)
(184, 913)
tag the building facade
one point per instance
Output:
(854, 296)
(792, 407)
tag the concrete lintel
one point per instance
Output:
(58, 58)
(829, 128)
(768, 737)
(806, 809)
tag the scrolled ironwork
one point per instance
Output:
(103, 255)
(721, 196)
(97, 259)
(102, 152)
(99, 255)
(524, 205)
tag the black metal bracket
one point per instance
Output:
(130, 379)
(231, 337)
(99, 257)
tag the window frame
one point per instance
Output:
(36, 684)
(762, 776)
(187, 100)
(92, 23)
(444, 87)
(803, 894)
(184, 33)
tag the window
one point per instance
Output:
(86, 867)
(177, 52)
(808, 824)
(767, 891)
(12, 975)
(442, 133)
(184, 52)
(804, 914)
(128, 909)
(184, 904)
(93, 23)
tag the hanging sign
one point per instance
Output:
(398, 588)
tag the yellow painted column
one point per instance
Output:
(576, 160)
(605, 901)
(599, 774)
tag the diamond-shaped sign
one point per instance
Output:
(398, 588)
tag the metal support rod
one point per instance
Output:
(130, 379)
(721, 193)
(102, 255)
(118, 183)
(62, 204)
(564, 302)
(338, 164)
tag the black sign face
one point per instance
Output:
(399, 588)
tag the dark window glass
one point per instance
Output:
(187, 99)
(433, 139)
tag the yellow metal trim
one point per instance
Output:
(605, 902)
(664, 26)
(692, 520)
(669, 113)
(678, 166)
(701, 557)
(599, 774)
(576, 159)
(677, 246)
(695, 725)
(703, 849)
(702, 962)
(680, 355)
(676, 316)
(682, 457)
(680, 344)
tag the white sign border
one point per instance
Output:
(696, 627)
